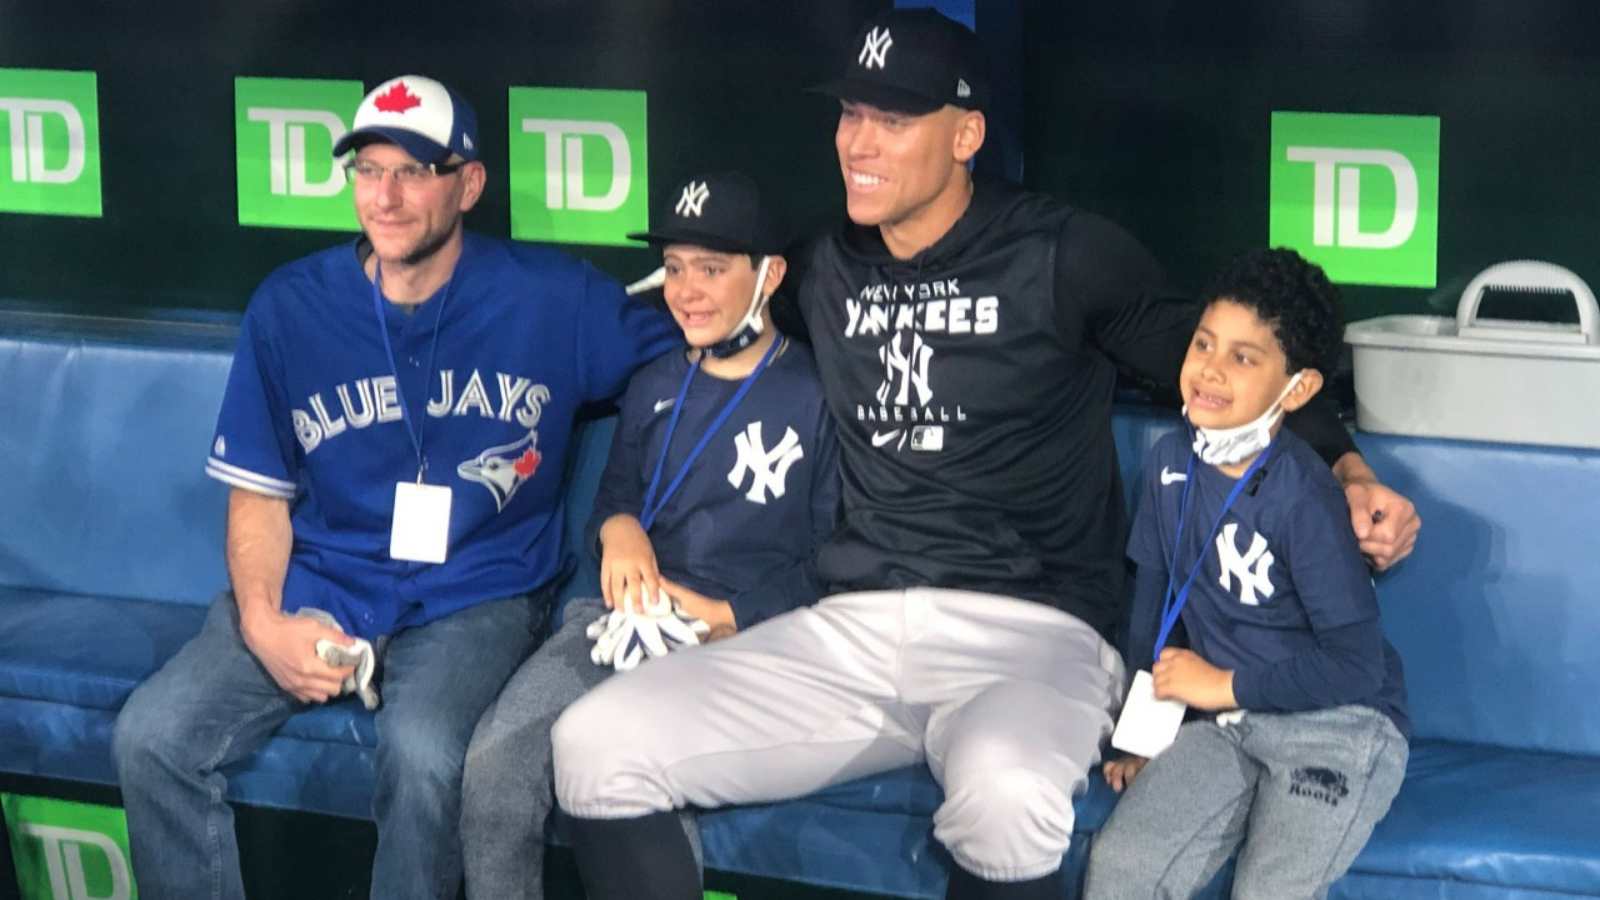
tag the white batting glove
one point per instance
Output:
(624, 637)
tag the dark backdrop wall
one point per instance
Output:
(1156, 113)
(724, 79)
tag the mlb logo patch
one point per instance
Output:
(927, 437)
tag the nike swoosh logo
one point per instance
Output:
(881, 438)
(1168, 476)
(663, 404)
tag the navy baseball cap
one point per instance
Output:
(420, 115)
(913, 61)
(722, 211)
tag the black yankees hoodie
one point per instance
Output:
(973, 386)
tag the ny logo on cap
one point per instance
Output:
(694, 196)
(875, 49)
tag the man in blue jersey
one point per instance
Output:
(394, 430)
(723, 481)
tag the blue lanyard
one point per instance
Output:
(415, 431)
(652, 507)
(1175, 600)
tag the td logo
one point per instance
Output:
(285, 131)
(69, 851)
(579, 165)
(1358, 195)
(49, 142)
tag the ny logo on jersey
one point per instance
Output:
(768, 469)
(908, 370)
(695, 194)
(505, 468)
(875, 50)
(1253, 569)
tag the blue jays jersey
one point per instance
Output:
(313, 414)
(1282, 596)
(763, 495)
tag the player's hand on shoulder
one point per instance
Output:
(628, 571)
(286, 645)
(1385, 521)
(1120, 773)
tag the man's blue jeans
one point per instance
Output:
(213, 704)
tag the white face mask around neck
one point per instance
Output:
(1231, 446)
(749, 328)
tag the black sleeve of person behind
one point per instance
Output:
(1112, 291)
(785, 304)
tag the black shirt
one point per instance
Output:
(973, 387)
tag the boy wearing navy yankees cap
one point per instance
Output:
(1243, 537)
(394, 431)
(721, 484)
(968, 335)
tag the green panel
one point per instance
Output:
(68, 851)
(50, 157)
(1358, 194)
(580, 163)
(286, 129)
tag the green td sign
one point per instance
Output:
(579, 165)
(285, 131)
(1358, 195)
(49, 143)
(68, 851)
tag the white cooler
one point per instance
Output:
(1484, 379)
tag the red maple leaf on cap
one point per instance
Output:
(397, 99)
(528, 463)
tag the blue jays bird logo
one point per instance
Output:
(503, 469)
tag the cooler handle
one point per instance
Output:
(1528, 275)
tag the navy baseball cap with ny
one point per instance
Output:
(913, 61)
(722, 212)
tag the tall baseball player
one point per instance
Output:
(968, 334)
(723, 481)
(394, 431)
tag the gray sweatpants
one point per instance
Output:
(1006, 700)
(507, 789)
(1297, 794)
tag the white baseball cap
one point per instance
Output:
(422, 116)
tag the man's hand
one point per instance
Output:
(1121, 772)
(287, 647)
(716, 613)
(628, 572)
(1184, 675)
(1385, 522)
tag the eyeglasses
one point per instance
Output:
(408, 174)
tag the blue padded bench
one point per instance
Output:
(111, 545)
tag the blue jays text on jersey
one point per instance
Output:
(376, 399)
(312, 414)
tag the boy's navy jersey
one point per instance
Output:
(1282, 597)
(745, 523)
(312, 414)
